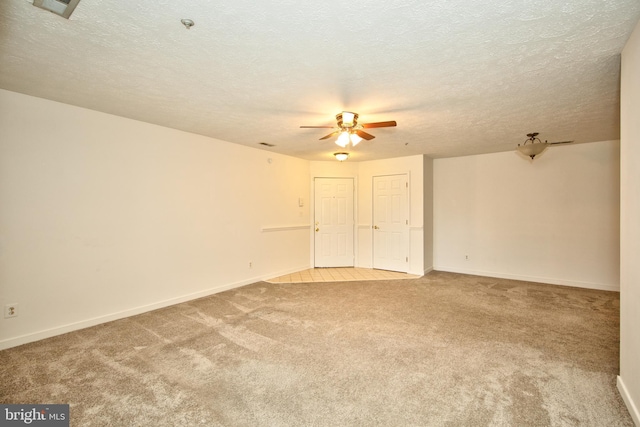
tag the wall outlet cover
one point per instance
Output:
(10, 310)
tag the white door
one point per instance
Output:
(391, 223)
(333, 222)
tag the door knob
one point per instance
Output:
(317, 229)
(375, 227)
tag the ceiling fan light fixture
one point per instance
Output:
(343, 139)
(341, 157)
(531, 148)
(349, 131)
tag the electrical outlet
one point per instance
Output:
(250, 264)
(466, 257)
(10, 310)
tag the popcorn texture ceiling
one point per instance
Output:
(459, 77)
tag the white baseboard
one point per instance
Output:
(631, 406)
(547, 280)
(59, 330)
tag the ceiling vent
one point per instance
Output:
(63, 8)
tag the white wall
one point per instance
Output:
(629, 379)
(427, 222)
(553, 220)
(103, 217)
(364, 172)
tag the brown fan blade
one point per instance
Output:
(388, 124)
(364, 135)
(317, 127)
(560, 142)
(331, 134)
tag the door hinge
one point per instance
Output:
(406, 221)
(406, 184)
(407, 259)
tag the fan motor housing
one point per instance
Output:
(352, 117)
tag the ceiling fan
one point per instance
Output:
(349, 130)
(536, 146)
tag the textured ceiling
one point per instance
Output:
(459, 77)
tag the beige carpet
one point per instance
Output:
(442, 350)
